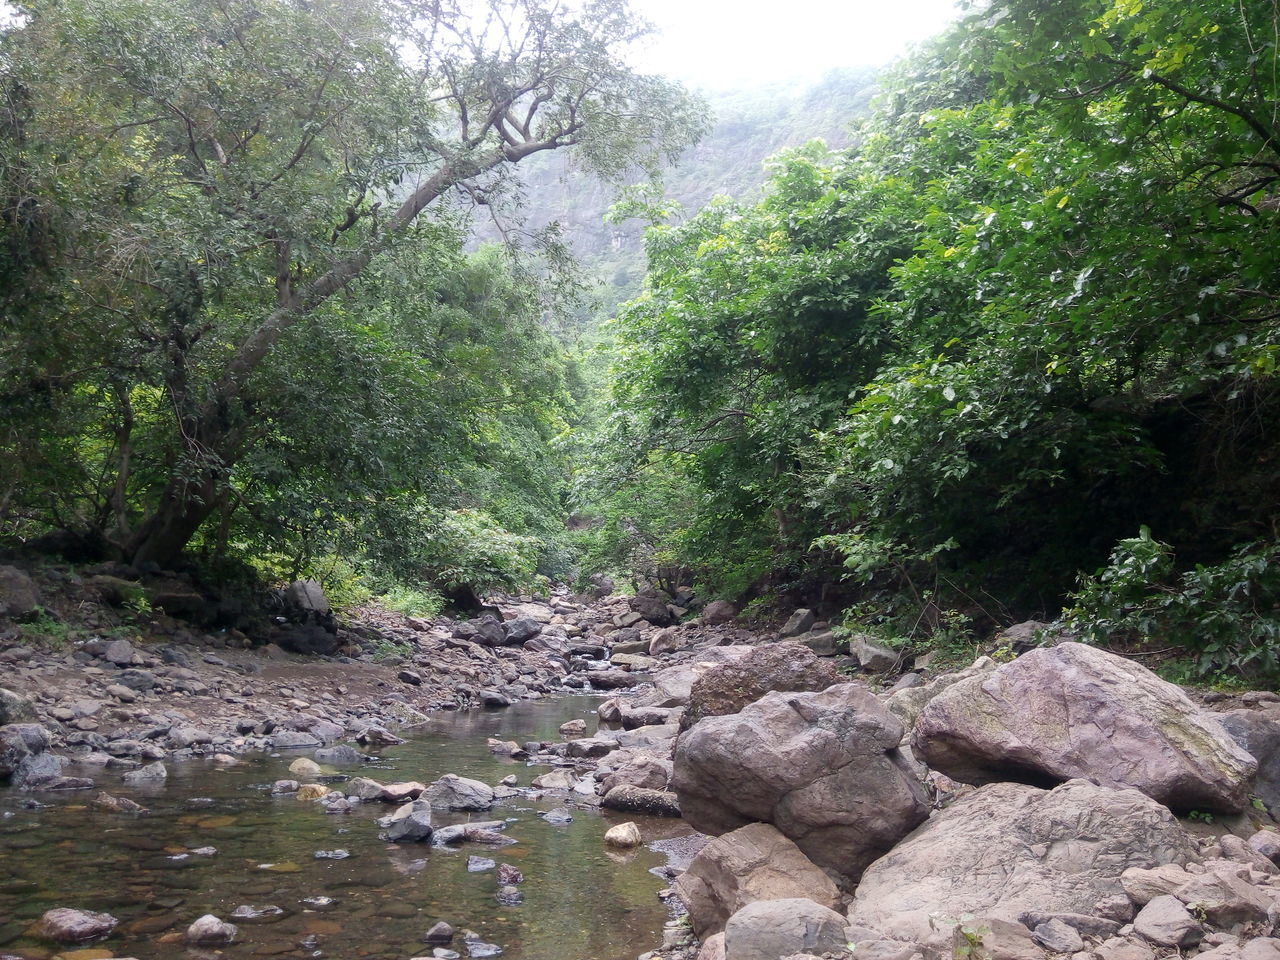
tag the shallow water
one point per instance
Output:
(581, 901)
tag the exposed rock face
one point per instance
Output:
(776, 666)
(752, 863)
(822, 767)
(1009, 848)
(769, 929)
(1075, 711)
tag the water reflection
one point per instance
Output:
(581, 901)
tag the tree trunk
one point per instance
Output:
(162, 537)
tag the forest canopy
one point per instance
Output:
(1027, 327)
(237, 303)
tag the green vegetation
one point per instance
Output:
(239, 321)
(939, 376)
(1032, 311)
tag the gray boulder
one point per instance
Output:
(907, 704)
(752, 863)
(1008, 848)
(769, 929)
(799, 622)
(654, 610)
(410, 823)
(19, 595)
(15, 708)
(452, 792)
(1070, 711)
(65, 925)
(719, 611)
(521, 629)
(872, 655)
(1258, 733)
(824, 768)
(729, 687)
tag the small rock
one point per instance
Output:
(508, 874)
(479, 864)
(509, 896)
(478, 948)
(332, 854)
(209, 929)
(558, 816)
(573, 728)
(441, 932)
(1057, 937)
(284, 786)
(625, 835)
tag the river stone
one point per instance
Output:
(151, 773)
(1165, 922)
(409, 823)
(752, 863)
(452, 792)
(209, 929)
(65, 925)
(293, 739)
(769, 929)
(15, 708)
(624, 835)
(731, 686)
(824, 768)
(629, 799)
(343, 755)
(1070, 711)
(640, 770)
(440, 932)
(1010, 848)
(362, 788)
(305, 768)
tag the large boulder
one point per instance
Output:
(654, 610)
(19, 595)
(769, 929)
(452, 792)
(1075, 711)
(1258, 733)
(824, 768)
(1009, 848)
(752, 863)
(731, 686)
(15, 708)
(719, 611)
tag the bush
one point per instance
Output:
(1227, 614)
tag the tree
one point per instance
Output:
(203, 180)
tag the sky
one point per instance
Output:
(728, 44)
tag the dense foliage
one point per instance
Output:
(1033, 310)
(237, 315)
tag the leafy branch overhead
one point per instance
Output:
(196, 182)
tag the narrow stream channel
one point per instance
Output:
(581, 900)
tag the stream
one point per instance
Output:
(582, 901)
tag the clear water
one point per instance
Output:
(581, 901)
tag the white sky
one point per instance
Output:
(726, 44)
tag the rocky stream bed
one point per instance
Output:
(176, 796)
